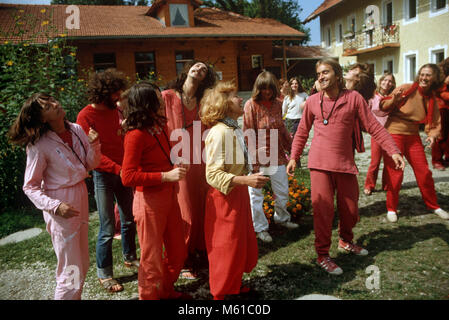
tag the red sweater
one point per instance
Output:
(144, 159)
(107, 124)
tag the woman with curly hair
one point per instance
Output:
(230, 239)
(293, 105)
(409, 106)
(182, 106)
(148, 166)
(59, 156)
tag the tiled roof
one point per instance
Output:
(326, 5)
(301, 52)
(103, 22)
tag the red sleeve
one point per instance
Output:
(132, 176)
(106, 164)
(302, 133)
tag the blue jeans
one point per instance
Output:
(108, 187)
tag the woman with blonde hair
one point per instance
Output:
(230, 240)
(263, 115)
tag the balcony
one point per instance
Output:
(371, 39)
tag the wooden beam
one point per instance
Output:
(284, 61)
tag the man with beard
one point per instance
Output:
(104, 92)
(333, 113)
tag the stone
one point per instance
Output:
(20, 236)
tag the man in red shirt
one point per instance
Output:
(104, 92)
(334, 113)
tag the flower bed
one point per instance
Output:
(298, 201)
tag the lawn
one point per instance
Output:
(412, 257)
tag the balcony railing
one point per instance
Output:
(379, 37)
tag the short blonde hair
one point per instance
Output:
(215, 103)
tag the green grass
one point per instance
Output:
(412, 256)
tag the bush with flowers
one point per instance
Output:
(298, 201)
(27, 66)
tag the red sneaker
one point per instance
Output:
(349, 247)
(329, 265)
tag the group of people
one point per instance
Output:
(149, 163)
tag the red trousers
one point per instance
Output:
(373, 169)
(412, 149)
(161, 239)
(441, 147)
(323, 186)
(231, 242)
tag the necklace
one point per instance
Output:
(183, 113)
(160, 144)
(326, 120)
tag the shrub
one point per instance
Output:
(27, 67)
(298, 201)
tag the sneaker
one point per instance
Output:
(349, 247)
(442, 214)
(392, 216)
(264, 236)
(132, 264)
(439, 166)
(289, 225)
(329, 265)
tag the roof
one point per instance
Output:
(127, 22)
(301, 53)
(326, 5)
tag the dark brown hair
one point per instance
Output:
(28, 126)
(208, 81)
(337, 70)
(445, 66)
(437, 73)
(141, 109)
(300, 87)
(103, 84)
(365, 85)
(265, 80)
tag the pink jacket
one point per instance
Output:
(51, 165)
(374, 104)
(332, 144)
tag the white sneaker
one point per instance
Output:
(264, 236)
(442, 214)
(289, 225)
(392, 216)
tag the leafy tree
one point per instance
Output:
(285, 11)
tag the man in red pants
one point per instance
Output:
(334, 112)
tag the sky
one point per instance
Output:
(308, 6)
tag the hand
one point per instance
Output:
(257, 180)
(174, 175)
(291, 166)
(92, 136)
(431, 141)
(182, 163)
(66, 211)
(398, 161)
(397, 95)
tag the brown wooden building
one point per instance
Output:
(162, 37)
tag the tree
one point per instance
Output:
(284, 11)
(103, 2)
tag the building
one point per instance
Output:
(161, 38)
(394, 35)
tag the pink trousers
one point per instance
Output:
(323, 187)
(161, 239)
(70, 242)
(412, 149)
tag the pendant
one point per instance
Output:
(325, 122)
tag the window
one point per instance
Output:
(388, 64)
(144, 63)
(410, 67)
(179, 15)
(181, 58)
(387, 13)
(437, 54)
(103, 61)
(351, 27)
(410, 11)
(438, 7)
(339, 33)
(327, 37)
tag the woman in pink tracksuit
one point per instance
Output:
(59, 156)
